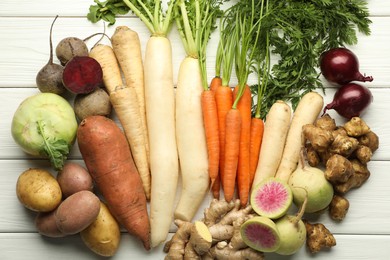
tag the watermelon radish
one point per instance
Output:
(271, 198)
(261, 234)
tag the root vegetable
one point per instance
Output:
(261, 234)
(44, 125)
(276, 127)
(344, 145)
(103, 236)
(271, 198)
(82, 75)
(77, 212)
(70, 47)
(49, 78)
(370, 140)
(363, 154)
(307, 111)
(356, 127)
(38, 190)
(45, 222)
(96, 103)
(360, 176)
(74, 178)
(338, 207)
(105, 56)
(223, 252)
(216, 210)
(115, 174)
(338, 169)
(125, 103)
(326, 122)
(127, 48)
(318, 237)
(292, 232)
(319, 138)
(310, 182)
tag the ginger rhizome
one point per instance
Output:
(216, 236)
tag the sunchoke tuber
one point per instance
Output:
(338, 169)
(319, 138)
(360, 175)
(318, 237)
(356, 127)
(338, 207)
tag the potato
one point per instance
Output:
(74, 178)
(38, 190)
(103, 235)
(77, 212)
(45, 222)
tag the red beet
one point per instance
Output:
(82, 75)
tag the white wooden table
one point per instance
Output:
(24, 28)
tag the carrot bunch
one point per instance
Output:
(239, 141)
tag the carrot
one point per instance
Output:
(276, 126)
(125, 103)
(244, 106)
(160, 114)
(210, 118)
(107, 156)
(224, 101)
(216, 188)
(256, 137)
(232, 146)
(127, 47)
(215, 83)
(195, 21)
(307, 111)
(104, 54)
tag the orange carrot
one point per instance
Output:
(244, 106)
(108, 158)
(224, 100)
(210, 120)
(215, 83)
(257, 130)
(216, 188)
(232, 148)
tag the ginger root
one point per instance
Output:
(223, 251)
(318, 237)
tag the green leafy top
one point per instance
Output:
(55, 149)
(195, 22)
(299, 31)
(157, 20)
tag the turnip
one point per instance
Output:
(310, 182)
(49, 77)
(292, 232)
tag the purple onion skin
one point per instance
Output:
(350, 100)
(340, 66)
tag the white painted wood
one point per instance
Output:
(24, 30)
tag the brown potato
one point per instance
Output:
(45, 222)
(38, 190)
(103, 235)
(74, 178)
(77, 212)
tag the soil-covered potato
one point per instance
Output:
(96, 103)
(77, 212)
(103, 235)
(38, 190)
(74, 178)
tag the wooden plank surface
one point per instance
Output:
(24, 28)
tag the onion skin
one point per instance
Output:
(350, 100)
(340, 66)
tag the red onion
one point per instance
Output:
(341, 66)
(350, 100)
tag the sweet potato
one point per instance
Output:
(108, 158)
